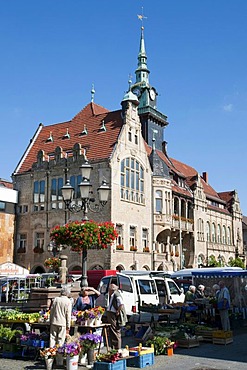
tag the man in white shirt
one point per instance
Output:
(116, 304)
(60, 318)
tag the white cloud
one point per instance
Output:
(228, 107)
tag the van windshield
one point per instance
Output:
(146, 286)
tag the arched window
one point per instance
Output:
(208, 232)
(158, 201)
(224, 235)
(132, 181)
(229, 241)
(213, 233)
(200, 229)
(219, 233)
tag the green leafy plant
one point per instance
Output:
(8, 335)
(160, 344)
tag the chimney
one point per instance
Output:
(205, 176)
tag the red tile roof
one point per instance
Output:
(99, 144)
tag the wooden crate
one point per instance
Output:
(222, 340)
(188, 343)
(207, 335)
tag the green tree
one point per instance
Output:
(237, 262)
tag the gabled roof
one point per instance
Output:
(99, 143)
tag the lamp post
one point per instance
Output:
(86, 199)
(54, 249)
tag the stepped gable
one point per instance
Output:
(99, 143)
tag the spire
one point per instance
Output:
(142, 72)
(92, 93)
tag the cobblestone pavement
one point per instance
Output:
(207, 356)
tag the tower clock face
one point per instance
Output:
(152, 94)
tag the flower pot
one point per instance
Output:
(90, 322)
(49, 363)
(90, 356)
(72, 362)
(169, 351)
(97, 321)
(82, 359)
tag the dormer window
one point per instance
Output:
(84, 132)
(103, 127)
(50, 138)
(67, 135)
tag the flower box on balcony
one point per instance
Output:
(146, 249)
(38, 250)
(120, 247)
(176, 254)
(133, 248)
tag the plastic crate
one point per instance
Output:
(222, 334)
(11, 350)
(141, 361)
(141, 350)
(118, 365)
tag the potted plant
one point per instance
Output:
(176, 254)
(89, 342)
(133, 248)
(120, 247)
(161, 344)
(48, 354)
(71, 350)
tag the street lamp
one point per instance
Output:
(53, 248)
(85, 190)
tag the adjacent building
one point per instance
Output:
(8, 201)
(166, 213)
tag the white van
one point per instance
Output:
(138, 287)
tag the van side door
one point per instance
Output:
(126, 290)
(147, 292)
(175, 294)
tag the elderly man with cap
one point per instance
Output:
(116, 316)
(60, 317)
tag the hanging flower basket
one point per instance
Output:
(53, 263)
(81, 235)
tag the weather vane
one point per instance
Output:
(141, 17)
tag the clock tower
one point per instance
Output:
(151, 118)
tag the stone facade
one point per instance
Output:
(167, 215)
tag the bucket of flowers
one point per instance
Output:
(89, 342)
(71, 350)
(89, 317)
(98, 312)
(48, 354)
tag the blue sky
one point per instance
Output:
(53, 50)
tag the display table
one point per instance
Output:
(45, 326)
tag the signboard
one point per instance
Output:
(9, 268)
